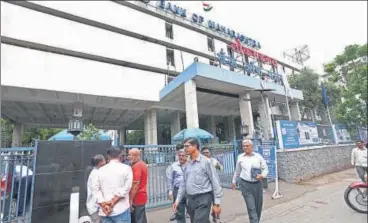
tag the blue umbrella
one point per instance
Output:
(192, 132)
(64, 135)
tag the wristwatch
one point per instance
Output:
(217, 205)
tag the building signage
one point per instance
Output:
(251, 67)
(237, 47)
(198, 19)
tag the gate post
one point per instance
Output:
(74, 205)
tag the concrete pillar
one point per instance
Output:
(150, 127)
(191, 108)
(265, 118)
(17, 135)
(175, 123)
(295, 111)
(122, 136)
(246, 115)
(229, 128)
(212, 125)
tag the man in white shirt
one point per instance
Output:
(111, 188)
(92, 207)
(359, 159)
(207, 153)
(252, 169)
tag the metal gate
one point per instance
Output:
(17, 174)
(159, 157)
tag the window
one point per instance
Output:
(210, 44)
(170, 59)
(169, 30)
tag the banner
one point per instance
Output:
(287, 134)
(363, 134)
(308, 133)
(325, 134)
(342, 133)
(268, 152)
(324, 95)
(292, 134)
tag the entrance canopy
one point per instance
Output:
(218, 90)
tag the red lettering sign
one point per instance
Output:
(237, 47)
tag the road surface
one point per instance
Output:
(324, 205)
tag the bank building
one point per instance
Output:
(137, 65)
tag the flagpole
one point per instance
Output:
(287, 103)
(329, 116)
(325, 101)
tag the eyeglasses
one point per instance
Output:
(186, 146)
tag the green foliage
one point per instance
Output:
(308, 82)
(90, 133)
(350, 70)
(29, 134)
(135, 137)
(6, 134)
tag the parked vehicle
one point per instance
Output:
(6, 185)
(5, 181)
(356, 197)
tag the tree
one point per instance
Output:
(349, 70)
(90, 132)
(6, 133)
(29, 134)
(308, 82)
(135, 137)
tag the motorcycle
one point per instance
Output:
(356, 197)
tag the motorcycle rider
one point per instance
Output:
(359, 157)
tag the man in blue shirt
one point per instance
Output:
(200, 185)
(174, 178)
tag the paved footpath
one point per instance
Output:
(324, 205)
(318, 200)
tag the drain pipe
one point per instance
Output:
(74, 205)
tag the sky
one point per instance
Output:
(325, 26)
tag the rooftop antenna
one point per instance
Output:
(298, 55)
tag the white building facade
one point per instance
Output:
(120, 61)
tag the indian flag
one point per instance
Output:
(207, 7)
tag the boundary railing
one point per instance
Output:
(17, 175)
(159, 157)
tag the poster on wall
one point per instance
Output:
(268, 152)
(363, 134)
(287, 134)
(307, 133)
(325, 134)
(342, 133)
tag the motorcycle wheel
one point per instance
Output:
(360, 195)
